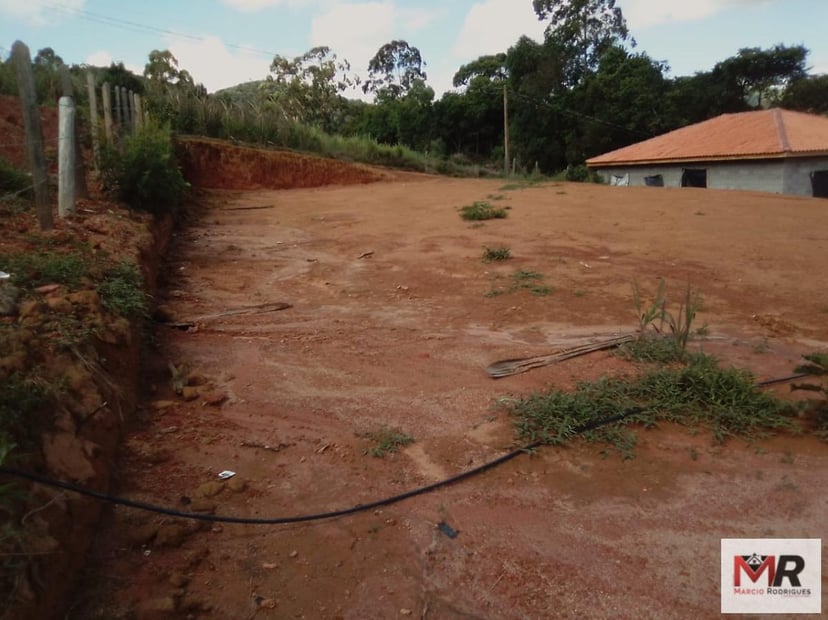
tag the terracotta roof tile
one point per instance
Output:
(773, 133)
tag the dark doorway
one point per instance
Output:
(655, 180)
(819, 183)
(694, 177)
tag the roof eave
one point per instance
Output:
(706, 159)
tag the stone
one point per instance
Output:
(142, 535)
(237, 485)
(9, 296)
(209, 489)
(171, 535)
(47, 288)
(160, 405)
(189, 393)
(214, 399)
(178, 580)
(203, 506)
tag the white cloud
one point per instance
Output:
(101, 58)
(493, 26)
(642, 14)
(37, 13)
(211, 63)
(251, 6)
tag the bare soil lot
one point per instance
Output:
(391, 325)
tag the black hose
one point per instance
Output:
(122, 501)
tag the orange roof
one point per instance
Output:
(764, 134)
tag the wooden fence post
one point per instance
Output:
(119, 119)
(125, 122)
(66, 157)
(93, 117)
(107, 110)
(34, 133)
(139, 112)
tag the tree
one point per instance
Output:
(394, 70)
(761, 75)
(486, 69)
(46, 67)
(586, 28)
(808, 94)
(307, 88)
(162, 69)
(118, 75)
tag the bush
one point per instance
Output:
(582, 174)
(482, 210)
(12, 180)
(144, 173)
(121, 291)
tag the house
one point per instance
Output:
(771, 150)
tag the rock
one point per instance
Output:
(209, 489)
(189, 393)
(47, 288)
(142, 535)
(28, 308)
(9, 296)
(156, 608)
(172, 535)
(405, 612)
(89, 300)
(237, 485)
(178, 580)
(60, 305)
(64, 456)
(294, 554)
(214, 399)
(197, 379)
(160, 405)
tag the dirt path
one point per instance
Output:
(391, 325)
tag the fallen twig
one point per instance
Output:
(507, 368)
(264, 446)
(248, 208)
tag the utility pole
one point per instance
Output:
(506, 157)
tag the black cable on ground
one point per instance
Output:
(122, 501)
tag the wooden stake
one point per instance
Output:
(505, 130)
(107, 110)
(34, 134)
(93, 117)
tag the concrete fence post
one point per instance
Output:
(66, 157)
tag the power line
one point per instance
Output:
(133, 26)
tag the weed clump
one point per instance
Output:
(29, 270)
(491, 255)
(121, 291)
(388, 441)
(724, 400)
(482, 210)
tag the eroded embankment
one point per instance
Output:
(214, 164)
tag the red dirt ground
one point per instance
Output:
(400, 338)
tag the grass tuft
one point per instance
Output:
(491, 255)
(388, 441)
(482, 210)
(121, 291)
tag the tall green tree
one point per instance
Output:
(162, 69)
(307, 88)
(586, 28)
(761, 75)
(394, 70)
(808, 94)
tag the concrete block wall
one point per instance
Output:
(780, 176)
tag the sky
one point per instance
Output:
(225, 42)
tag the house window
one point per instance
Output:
(694, 177)
(819, 183)
(655, 180)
